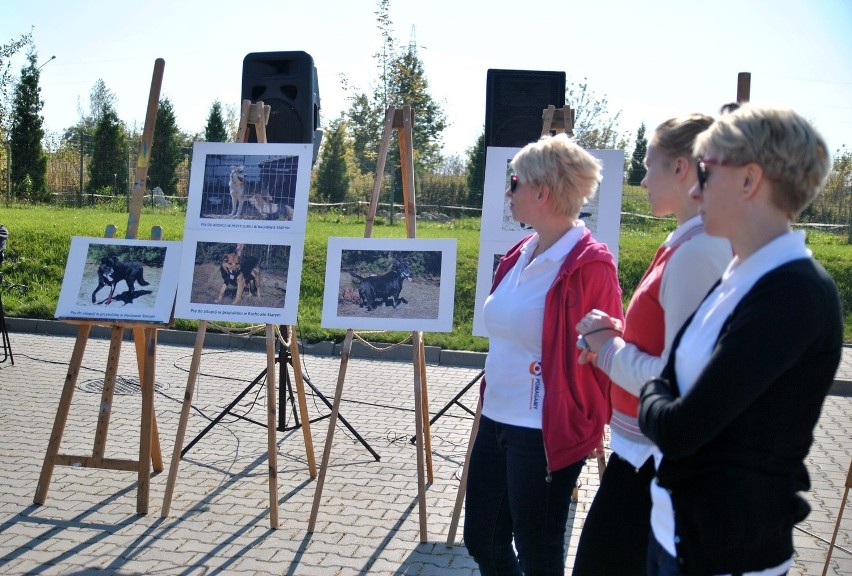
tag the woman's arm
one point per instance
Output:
(781, 316)
(687, 277)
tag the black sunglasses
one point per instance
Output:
(701, 169)
(704, 172)
(513, 183)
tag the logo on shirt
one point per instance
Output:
(536, 386)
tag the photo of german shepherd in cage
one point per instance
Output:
(249, 187)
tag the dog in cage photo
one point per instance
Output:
(243, 191)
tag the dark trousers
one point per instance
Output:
(510, 497)
(614, 539)
(661, 563)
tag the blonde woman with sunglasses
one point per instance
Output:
(734, 409)
(542, 411)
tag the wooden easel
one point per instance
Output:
(839, 518)
(402, 121)
(557, 119)
(256, 114)
(145, 338)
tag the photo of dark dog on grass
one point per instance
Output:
(379, 284)
(373, 289)
(121, 274)
(111, 271)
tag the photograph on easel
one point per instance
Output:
(254, 280)
(249, 186)
(119, 279)
(490, 253)
(601, 214)
(390, 284)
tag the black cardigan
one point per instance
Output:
(734, 446)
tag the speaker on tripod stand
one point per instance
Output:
(287, 82)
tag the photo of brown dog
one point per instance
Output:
(239, 272)
(244, 275)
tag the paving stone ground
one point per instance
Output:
(219, 520)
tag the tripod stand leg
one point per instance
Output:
(224, 412)
(454, 523)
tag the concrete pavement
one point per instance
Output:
(368, 521)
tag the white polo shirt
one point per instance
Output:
(514, 318)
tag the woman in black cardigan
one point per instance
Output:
(734, 410)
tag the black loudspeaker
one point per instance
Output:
(287, 82)
(514, 100)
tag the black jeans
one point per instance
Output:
(614, 540)
(509, 496)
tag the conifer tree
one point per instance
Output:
(637, 169)
(332, 179)
(166, 155)
(476, 172)
(215, 129)
(109, 166)
(29, 161)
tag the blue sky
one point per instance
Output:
(652, 59)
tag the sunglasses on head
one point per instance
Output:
(513, 183)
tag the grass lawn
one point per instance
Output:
(40, 238)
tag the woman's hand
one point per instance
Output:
(594, 330)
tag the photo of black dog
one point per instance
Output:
(111, 271)
(383, 286)
(237, 273)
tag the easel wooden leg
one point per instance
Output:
(303, 405)
(839, 518)
(108, 393)
(141, 342)
(62, 414)
(272, 445)
(454, 523)
(332, 422)
(427, 428)
(418, 417)
(146, 434)
(184, 417)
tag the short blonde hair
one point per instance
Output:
(793, 155)
(571, 173)
(676, 136)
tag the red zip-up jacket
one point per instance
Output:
(576, 401)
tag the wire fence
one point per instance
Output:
(439, 197)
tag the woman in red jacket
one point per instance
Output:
(542, 411)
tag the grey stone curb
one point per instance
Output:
(434, 355)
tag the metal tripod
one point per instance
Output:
(285, 393)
